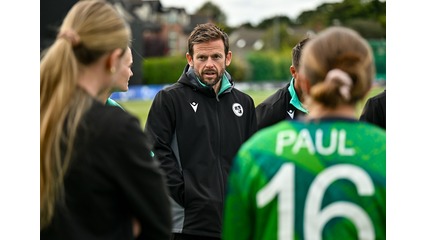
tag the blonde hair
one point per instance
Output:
(91, 29)
(339, 66)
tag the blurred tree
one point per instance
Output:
(313, 20)
(276, 36)
(266, 23)
(247, 25)
(215, 14)
(367, 28)
(358, 14)
(212, 11)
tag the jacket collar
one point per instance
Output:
(294, 99)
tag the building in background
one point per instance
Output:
(157, 31)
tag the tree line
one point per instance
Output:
(368, 17)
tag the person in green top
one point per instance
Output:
(321, 177)
(121, 83)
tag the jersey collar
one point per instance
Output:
(294, 99)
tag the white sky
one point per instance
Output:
(253, 11)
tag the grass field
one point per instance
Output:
(141, 108)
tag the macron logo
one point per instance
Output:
(194, 106)
(291, 113)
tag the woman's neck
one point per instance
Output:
(103, 97)
(92, 80)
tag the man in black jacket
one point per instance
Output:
(374, 110)
(197, 126)
(286, 103)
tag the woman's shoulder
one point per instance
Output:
(111, 117)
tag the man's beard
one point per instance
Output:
(210, 83)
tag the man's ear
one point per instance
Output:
(293, 71)
(228, 58)
(113, 60)
(189, 60)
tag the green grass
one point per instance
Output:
(141, 108)
(138, 108)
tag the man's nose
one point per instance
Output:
(209, 62)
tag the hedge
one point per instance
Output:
(257, 67)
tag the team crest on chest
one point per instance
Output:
(238, 109)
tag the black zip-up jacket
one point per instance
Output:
(196, 135)
(111, 179)
(276, 108)
(374, 110)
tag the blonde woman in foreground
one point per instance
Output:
(97, 178)
(323, 177)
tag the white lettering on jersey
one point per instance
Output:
(303, 140)
(316, 216)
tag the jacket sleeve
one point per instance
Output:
(160, 127)
(253, 126)
(261, 114)
(374, 112)
(142, 181)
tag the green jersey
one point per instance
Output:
(323, 179)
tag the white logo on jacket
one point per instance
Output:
(291, 113)
(238, 109)
(194, 106)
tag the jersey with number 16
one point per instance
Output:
(313, 180)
